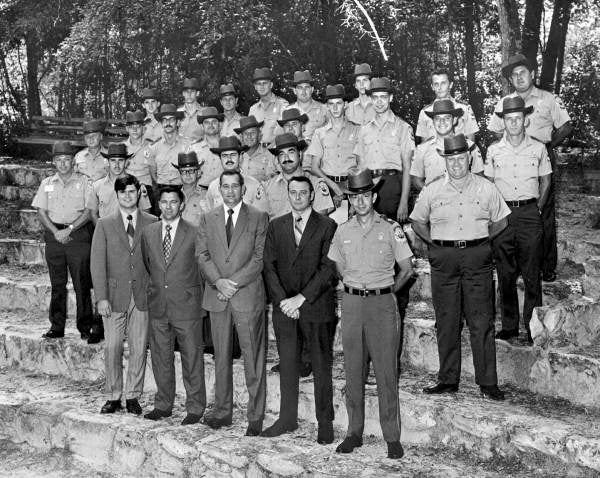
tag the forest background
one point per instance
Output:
(91, 57)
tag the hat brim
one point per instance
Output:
(124, 156)
(375, 186)
(176, 166)
(355, 75)
(456, 112)
(229, 93)
(176, 114)
(441, 152)
(201, 119)
(376, 90)
(507, 70)
(301, 145)
(240, 130)
(241, 149)
(302, 118)
(259, 78)
(527, 110)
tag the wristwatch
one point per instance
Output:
(71, 227)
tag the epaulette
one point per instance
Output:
(437, 178)
(388, 220)
(431, 138)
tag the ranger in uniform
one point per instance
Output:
(269, 106)
(315, 111)
(231, 117)
(294, 122)
(361, 110)
(457, 215)
(257, 161)
(365, 250)
(195, 201)
(520, 167)
(152, 127)
(190, 129)
(89, 161)
(210, 119)
(61, 201)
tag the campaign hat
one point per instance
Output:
(209, 112)
(286, 140)
(454, 145)
(116, 150)
(229, 143)
(362, 69)
(380, 84)
(187, 160)
(136, 116)
(444, 107)
(168, 109)
(292, 114)
(360, 180)
(513, 104)
(247, 122)
(517, 60)
(227, 89)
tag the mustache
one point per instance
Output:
(289, 161)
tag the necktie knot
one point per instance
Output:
(169, 227)
(130, 229)
(129, 217)
(230, 212)
(298, 229)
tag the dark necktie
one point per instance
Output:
(229, 225)
(298, 230)
(167, 243)
(130, 229)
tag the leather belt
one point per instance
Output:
(461, 244)
(60, 226)
(337, 179)
(367, 292)
(523, 202)
(385, 172)
(265, 145)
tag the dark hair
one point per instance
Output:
(122, 183)
(171, 188)
(302, 179)
(442, 70)
(231, 173)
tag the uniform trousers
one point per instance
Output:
(550, 253)
(251, 330)
(371, 327)
(388, 196)
(163, 332)
(133, 325)
(71, 258)
(461, 283)
(289, 333)
(517, 250)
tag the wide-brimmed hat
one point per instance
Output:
(514, 104)
(292, 114)
(149, 94)
(380, 84)
(454, 145)
(190, 83)
(94, 126)
(227, 89)
(187, 160)
(209, 112)
(116, 150)
(517, 60)
(444, 107)
(63, 148)
(287, 140)
(334, 91)
(302, 77)
(229, 143)
(136, 116)
(362, 69)
(262, 74)
(247, 122)
(360, 180)
(168, 109)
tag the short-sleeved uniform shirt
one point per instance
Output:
(516, 170)
(211, 166)
(277, 194)
(92, 166)
(103, 198)
(255, 194)
(164, 156)
(228, 125)
(269, 114)
(189, 128)
(548, 113)
(459, 214)
(153, 130)
(467, 124)
(368, 255)
(141, 163)
(428, 164)
(317, 116)
(64, 201)
(383, 142)
(335, 147)
(260, 164)
(196, 204)
(357, 114)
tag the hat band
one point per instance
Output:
(362, 189)
(515, 110)
(457, 150)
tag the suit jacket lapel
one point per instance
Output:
(182, 230)
(140, 223)
(219, 217)
(119, 226)
(240, 226)
(157, 242)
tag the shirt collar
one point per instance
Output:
(124, 215)
(305, 215)
(236, 208)
(174, 223)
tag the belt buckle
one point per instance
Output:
(363, 292)
(462, 244)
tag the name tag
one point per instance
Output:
(347, 241)
(49, 188)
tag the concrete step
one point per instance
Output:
(19, 222)
(21, 290)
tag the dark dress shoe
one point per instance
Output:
(549, 276)
(305, 369)
(395, 450)
(95, 339)
(275, 368)
(191, 419)
(279, 428)
(325, 433)
(441, 388)
(254, 428)
(111, 406)
(349, 444)
(157, 414)
(216, 423)
(133, 406)
(507, 334)
(53, 334)
(492, 392)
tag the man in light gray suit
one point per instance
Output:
(229, 249)
(120, 281)
(175, 307)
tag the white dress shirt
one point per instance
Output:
(236, 212)
(173, 225)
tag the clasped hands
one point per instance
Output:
(62, 235)
(226, 289)
(291, 306)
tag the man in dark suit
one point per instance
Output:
(120, 281)
(300, 281)
(175, 307)
(231, 239)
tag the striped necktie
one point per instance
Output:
(298, 229)
(167, 242)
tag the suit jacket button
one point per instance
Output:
(166, 287)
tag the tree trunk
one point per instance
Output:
(469, 25)
(510, 32)
(556, 40)
(531, 28)
(561, 59)
(32, 49)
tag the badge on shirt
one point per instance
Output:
(146, 154)
(49, 188)
(380, 236)
(399, 234)
(259, 193)
(324, 189)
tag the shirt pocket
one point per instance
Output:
(530, 167)
(391, 150)
(481, 208)
(442, 210)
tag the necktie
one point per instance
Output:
(130, 229)
(167, 243)
(229, 225)
(298, 230)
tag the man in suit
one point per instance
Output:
(175, 307)
(231, 239)
(120, 281)
(300, 280)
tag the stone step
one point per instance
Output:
(17, 193)
(24, 291)
(22, 251)
(29, 175)
(18, 222)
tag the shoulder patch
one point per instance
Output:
(259, 192)
(323, 188)
(399, 234)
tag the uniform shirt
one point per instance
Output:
(211, 166)
(164, 156)
(383, 143)
(103, 198)
(64, 201)
(189, 128)
(92, 166)
(548, 112)
(428, 164)
(317, 116)
(467, 124)
(255, 194)
(459, 214)
(277, 194)
(196, 204)
(368, 256)
(153, 130)
(141, 163)
(516, 170)
(260, 165)
(335, 147)
(269, 114)
(356, 114)
(228, 125)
